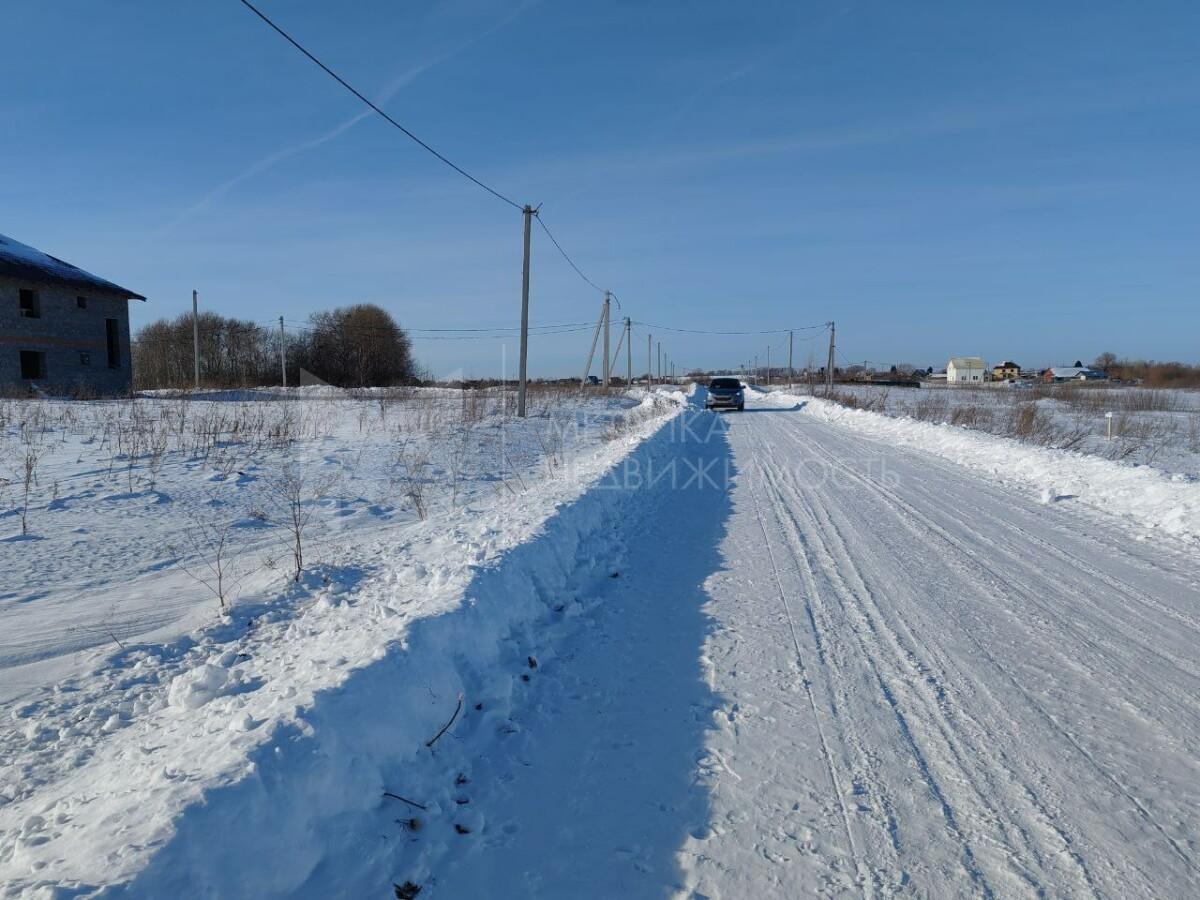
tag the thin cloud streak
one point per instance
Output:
(390, 90)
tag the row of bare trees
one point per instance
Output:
(1149, 372)
(354, 346)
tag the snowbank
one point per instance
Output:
(1149, 497)
(255, 747)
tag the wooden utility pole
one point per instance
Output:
(829, 365)
(282, 353)
(607, 301)
(196, 336)
(523, 372)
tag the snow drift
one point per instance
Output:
(1153, 499)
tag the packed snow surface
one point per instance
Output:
(786, 652)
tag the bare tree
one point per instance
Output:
(409, 464)
(29, 465)
(207, 557)
(294, 494)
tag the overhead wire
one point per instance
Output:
(344, 83)
(357, 93)
(823, 326)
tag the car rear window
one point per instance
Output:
(727, 384)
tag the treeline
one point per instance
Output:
(355, 346)
(1149, 372)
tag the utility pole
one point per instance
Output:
(649, 361)
(829, 365)
(600, 323)
(768, 365)
(621, 338)
(282, 353)
(628, 352)
(523, 371)
(660, 378)
(196, 336)
(607, 300)
(791, 375)
(612, 366)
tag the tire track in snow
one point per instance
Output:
(866, 778)
(972, 561)
(1105, 651)
(865, 878)
(925, 769)
(912, 670)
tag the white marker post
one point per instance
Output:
(1108, 416)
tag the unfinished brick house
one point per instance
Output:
(62, 330)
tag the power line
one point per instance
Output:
(305, 325)
(823, 326)
(558, 246)
(340, 80)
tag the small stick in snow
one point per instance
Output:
(446, 727)
(403, 799)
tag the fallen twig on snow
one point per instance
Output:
(446, 727)
(403, 799)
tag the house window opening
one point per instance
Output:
(31, 306)
(33, 364)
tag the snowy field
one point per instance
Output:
(185, 575)
(1151, 426)
(632, 649)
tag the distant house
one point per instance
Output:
(1006, 371)
(966, 370)
(61, 328)
(1072, 373)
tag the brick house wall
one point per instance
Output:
(73, 337)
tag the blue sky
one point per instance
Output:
(1014, 180)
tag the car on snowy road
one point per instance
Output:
(726, 393)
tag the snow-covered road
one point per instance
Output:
(861, 671)
(933, 684)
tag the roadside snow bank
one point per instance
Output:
(236, 778)
(1145, 495)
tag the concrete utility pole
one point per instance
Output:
(768, 365)
(523, 371)
(600, 323)
(196, 336)
(791, 375)
(607, 301)
(282, 353)
(612, 366)
(649, 360)
(660, 378)
(628, 352)
(829, 365)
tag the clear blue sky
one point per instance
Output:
(1014, 180)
